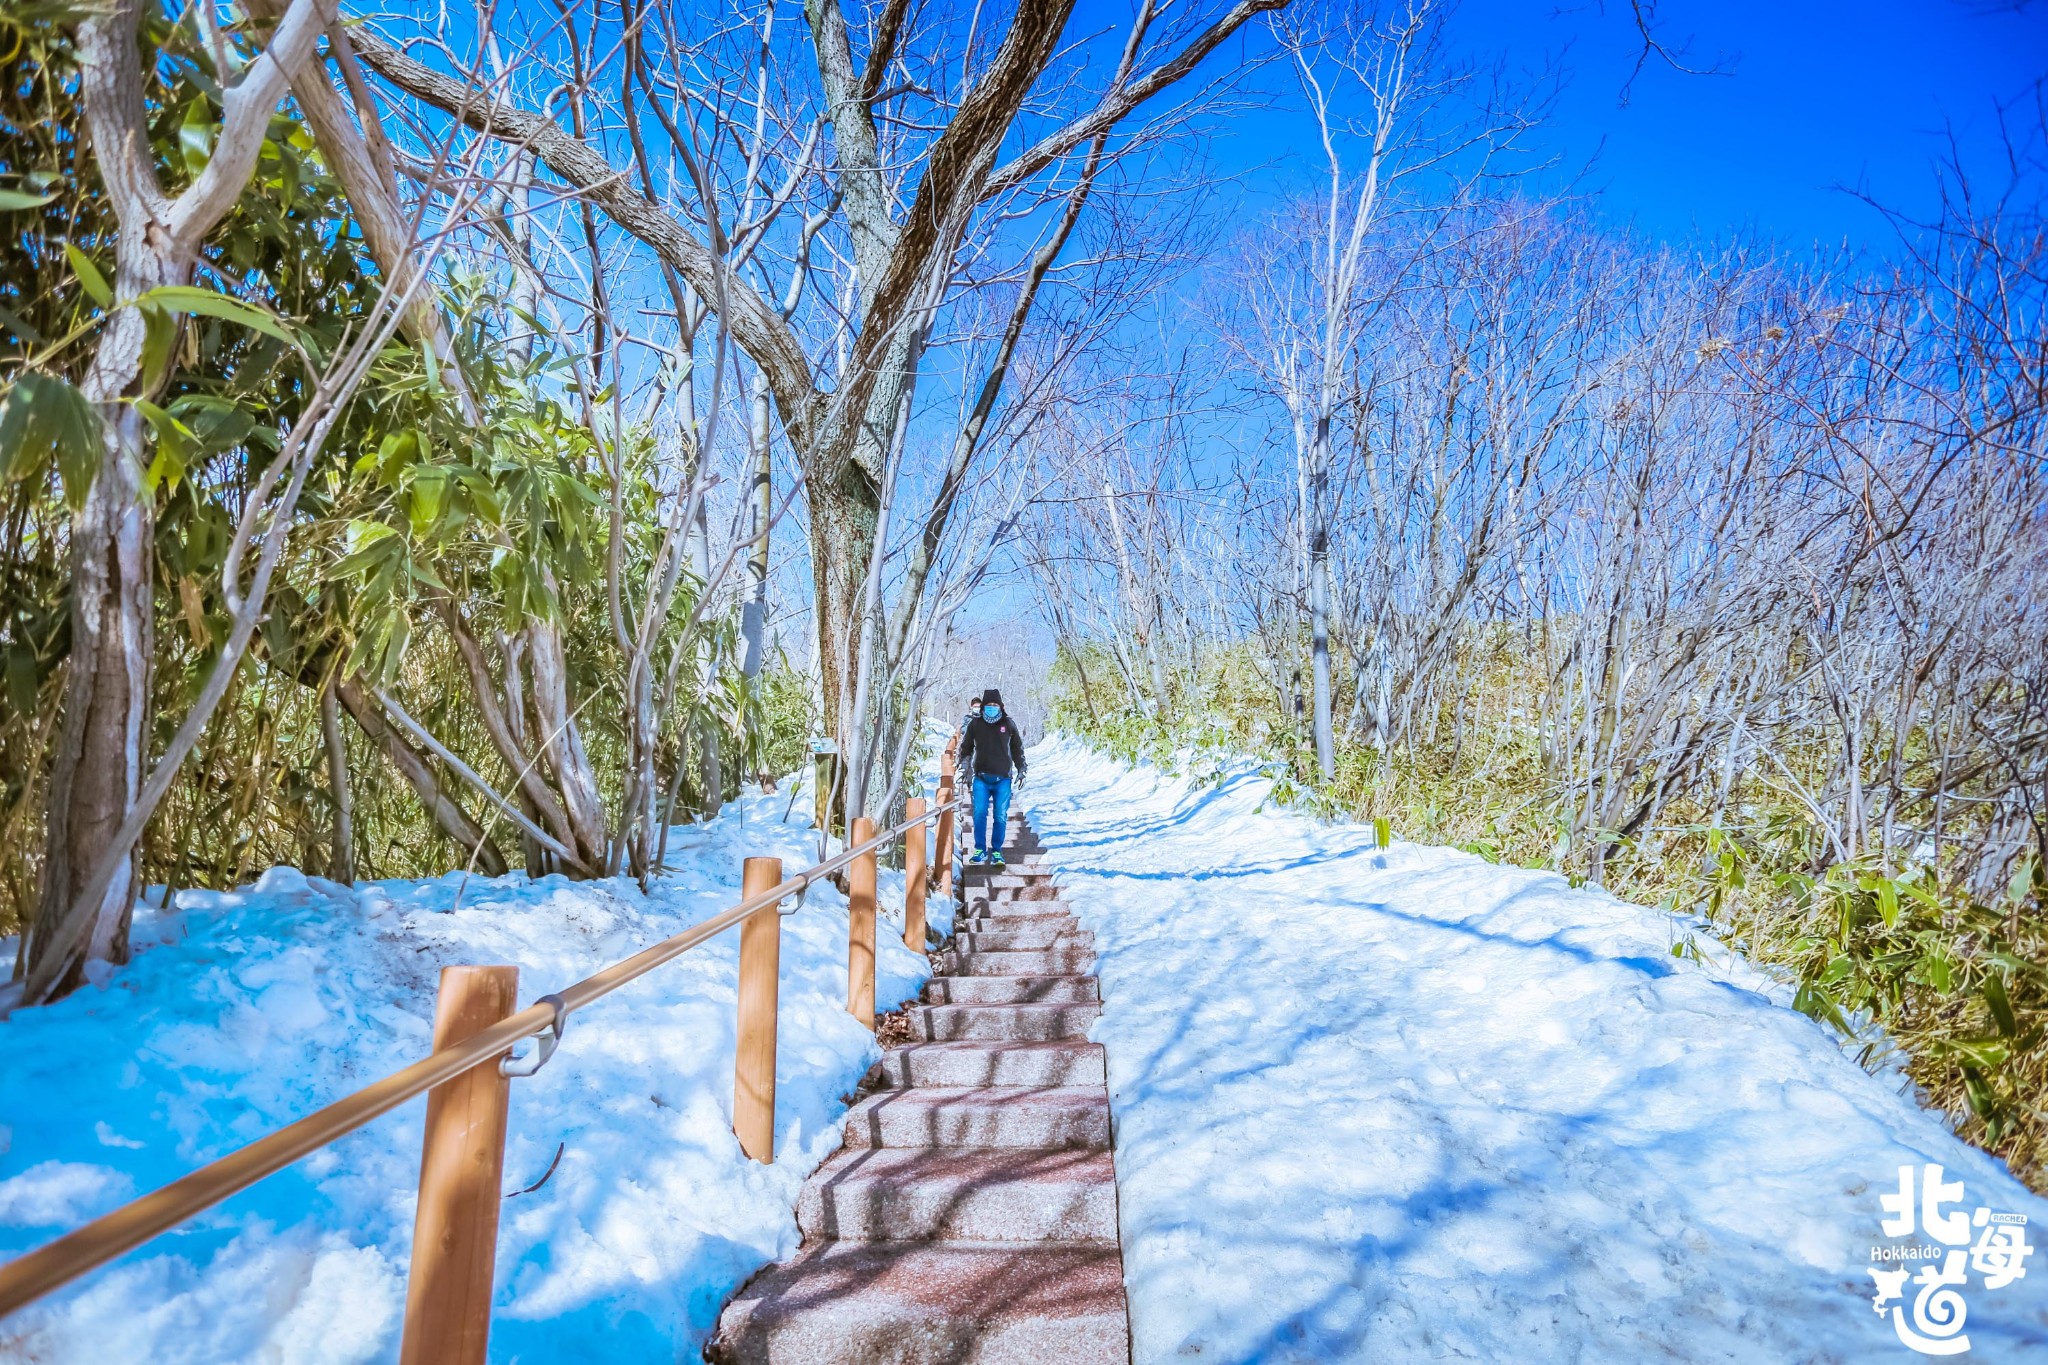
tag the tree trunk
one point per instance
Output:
(341, 862)
(712, 767)
(844, 515)
(96, 771)
(1319, 599)
(418, 770)
(761, 495)
(513, 648)
(562, 742)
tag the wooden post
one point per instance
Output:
(914, 842)
(949, 767)
(462, 1168)
(753, 1069)
(943, 845)
(860, 932)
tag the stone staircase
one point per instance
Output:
(970, 1218)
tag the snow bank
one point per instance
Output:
(1404, 1105)
(244, 1011)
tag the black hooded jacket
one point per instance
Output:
(992, 746)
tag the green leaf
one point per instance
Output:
(20, 326)
(195, 135)
(372, 548)
(394, 454)
(89, 276)
(427, 496)
(159, 339)
(1983, 1101)
(213, 422)
(42, 416)
(1888, 901)
(2022, 882)
(1988, 1053)
(1383, 832)
(1936, 969)
(1816, 1003)
(16, 199)
(200, 302)
(22, 679)
(174, 442)
(2001, 1006)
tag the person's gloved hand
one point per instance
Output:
(1018, 783)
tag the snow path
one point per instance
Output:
(1406, 1105)
(243, 1011)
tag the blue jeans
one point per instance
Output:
(988, 787)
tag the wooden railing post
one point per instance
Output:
(462, 1167)
(860, 932)
(914, 845)
(943, 845)
(753, 1071)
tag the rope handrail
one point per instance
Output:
(54, 1264)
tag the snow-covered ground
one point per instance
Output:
(244, 1011)
(1404, 1105)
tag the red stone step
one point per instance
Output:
(968, 1194)
(995, 1116)
(971, 1217)
(1032, 938)
(973, 1064)
(1033, 1023)
(1044, 962)
(1010, 990)
(1037, 891)
(932, 1303)
(1014, 914)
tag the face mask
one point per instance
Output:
(991, 712)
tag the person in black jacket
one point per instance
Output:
(991, 746)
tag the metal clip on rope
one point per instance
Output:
(791, 904)
(550, 1039)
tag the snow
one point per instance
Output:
(243, 1011)
(1401, 1104)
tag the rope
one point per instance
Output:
(54, 1264)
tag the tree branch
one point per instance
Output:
(756, 325)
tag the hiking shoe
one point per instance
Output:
(995, 857)
(979, 856)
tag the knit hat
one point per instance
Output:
(992, 697)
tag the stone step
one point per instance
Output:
(934, 1303)
(988, 905)
(1029, 939)
(971, 1064)
(1010, 990)
(885, 1194)
(1058, 1116)
(1040, 962)
(1013, 875)
(1038, 891)
(1056, 931)
(990, 922)
(1035, 1023)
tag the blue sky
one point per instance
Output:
(1818, 94)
